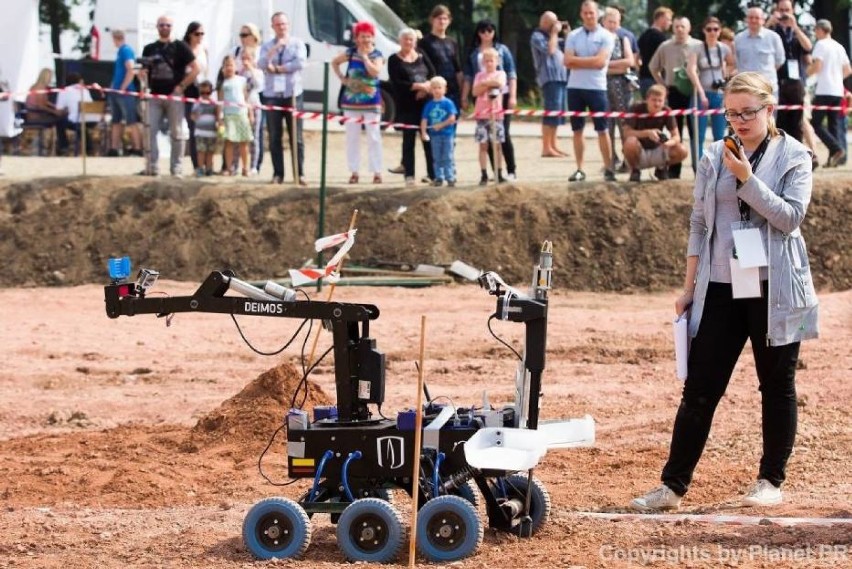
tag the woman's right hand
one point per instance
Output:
(683, 302)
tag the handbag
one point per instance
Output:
(681, 81)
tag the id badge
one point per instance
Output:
(793, 69)
(279, 82)
(748, 245)
(745, 282)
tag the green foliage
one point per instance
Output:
(730, 13)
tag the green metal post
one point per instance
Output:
(321, 220)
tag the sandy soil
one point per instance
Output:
(108, 457)
(126, 443)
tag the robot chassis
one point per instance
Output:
(355, 459)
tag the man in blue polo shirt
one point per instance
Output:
(123, 106)
(587, 52)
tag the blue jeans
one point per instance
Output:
(442, 155)
(717, 122)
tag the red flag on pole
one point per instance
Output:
(95, 49)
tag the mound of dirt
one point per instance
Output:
(607, 237)
(159, 465)
(246, 418)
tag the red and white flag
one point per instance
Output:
(299, 277)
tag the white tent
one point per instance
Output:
(19, 60)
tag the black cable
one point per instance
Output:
(276, 352)
(379, 411)
(260, 460)
(304, 381)
(499, 339)
(279, 429)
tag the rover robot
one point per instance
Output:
(470, 458)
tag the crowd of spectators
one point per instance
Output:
(599, 67)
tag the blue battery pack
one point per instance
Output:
(406, 419)
(325, 412)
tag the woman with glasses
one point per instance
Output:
(194, 37)
(709, 67)
(747, 277)
(485, 37)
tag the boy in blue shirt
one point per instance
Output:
(438, 126)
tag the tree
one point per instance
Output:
(57, 15)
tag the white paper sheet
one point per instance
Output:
(681, 342)
(750, 250)
(745, 283)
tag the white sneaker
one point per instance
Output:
(511, 177)
(409, 180)
(763, 493)
(660, 498)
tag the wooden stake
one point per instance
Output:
(330, 294)
(418, 427)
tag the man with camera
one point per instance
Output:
(668, 66)
(759, 49)
(551, 76)
(170, 68)
(652, 141)
(791, 74)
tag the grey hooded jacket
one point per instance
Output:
(778, 193)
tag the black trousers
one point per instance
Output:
(409, 142)
(678, 100)
(507, 148)
(791, 92)
(275, 121)
(726, 323)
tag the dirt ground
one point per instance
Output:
(126, 443)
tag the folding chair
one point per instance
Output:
(88, 108)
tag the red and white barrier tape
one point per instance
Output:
(717, 519)
(301, 277)
(312, 115)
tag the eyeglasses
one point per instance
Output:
(745, 116)
(711, 29)
(198, 33)
(245, 35)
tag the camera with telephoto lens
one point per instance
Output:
(148, 61)
(632, 80)
(718, 84)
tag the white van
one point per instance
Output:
(324, 25)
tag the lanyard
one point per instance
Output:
(754, 160)
(710, 61)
